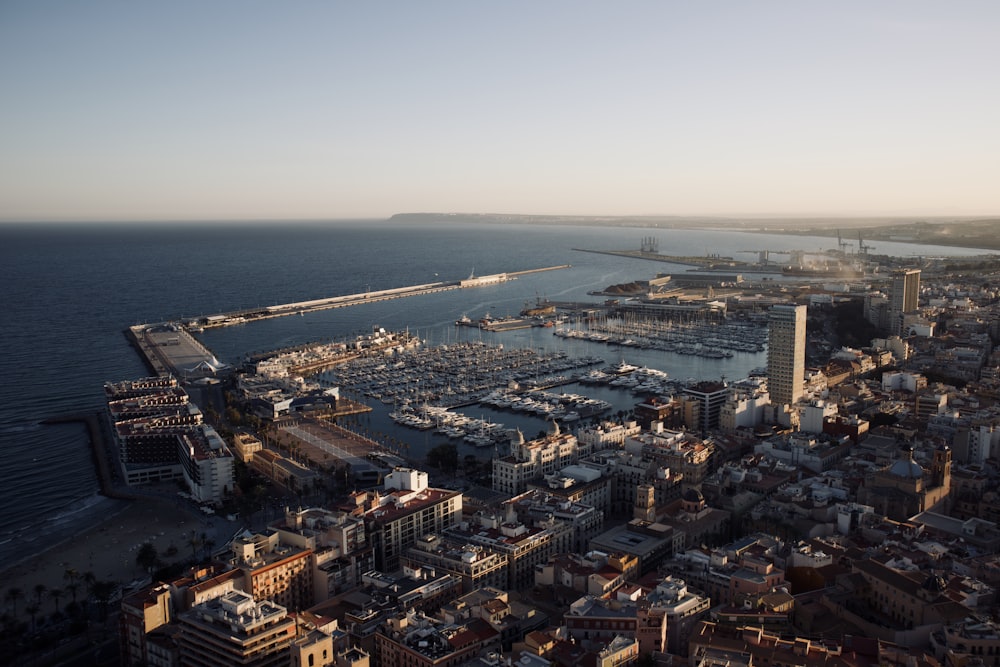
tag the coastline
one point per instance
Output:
(100, 535)
(105, 542)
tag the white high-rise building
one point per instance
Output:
(786, 353)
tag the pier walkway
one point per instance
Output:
(170, 349)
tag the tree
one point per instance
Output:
(39, 592)
(444, 457)
(32, 610)
(194, 542)
(102, 591)
(55, 594)
(13, 595)
(208, 543)
(147, 558)
(71, 575)
(73, 587)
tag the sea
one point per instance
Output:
(71, 290)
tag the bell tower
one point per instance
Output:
(941, 467)
(645, 503)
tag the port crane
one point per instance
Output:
(842, 244)
(862, 248)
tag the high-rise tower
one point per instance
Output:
(786, 353)
(903, 292)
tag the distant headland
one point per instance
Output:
(963, 232)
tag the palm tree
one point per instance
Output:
(147, 557)
(55, 594)
(73, 587)
(71, 575)
(208, 543)
(13, 595)
(32, 609)
(103, 591)
(194, 543)
(39, 592)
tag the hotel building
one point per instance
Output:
(786, 353)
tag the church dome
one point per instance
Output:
(935, 583)
(693, 496)
(906, 467)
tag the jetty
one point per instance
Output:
(706, 262)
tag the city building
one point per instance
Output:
(407, 510)
(235, 629)
(473, 564)
(786, 353)
(903, 489)
(534, 459)
(142, 613)
(339, 543)
(524, 546)
(904, 291)
(710, 397)
(274, 570)
(411, 639)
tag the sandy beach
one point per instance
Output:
(108, 550)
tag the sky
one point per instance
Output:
(239, 109)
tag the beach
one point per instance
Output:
(108, 550)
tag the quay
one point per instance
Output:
(303, 307)
(170, 349)
(704, 262)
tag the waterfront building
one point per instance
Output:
(786, 353)
(533, 459)
(206, 465)
(235, 629)
(904, 292)
(160, 436)
(406, 510)
(607, 434)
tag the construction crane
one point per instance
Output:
(862, 248)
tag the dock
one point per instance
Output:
(704, 262)
(169, 348)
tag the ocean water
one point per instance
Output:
(70, 291)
